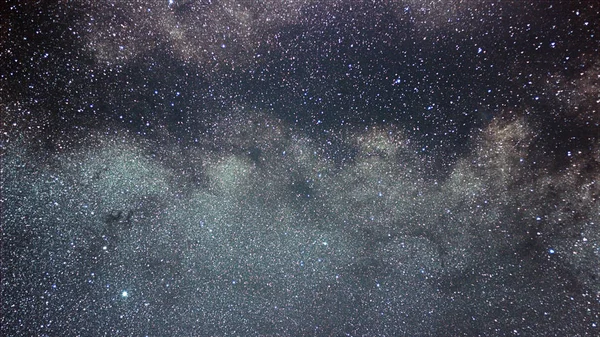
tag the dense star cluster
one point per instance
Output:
(300, 168)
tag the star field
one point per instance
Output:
(300, 168)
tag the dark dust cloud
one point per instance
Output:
(300, 168)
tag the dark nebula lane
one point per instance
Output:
(300, 168)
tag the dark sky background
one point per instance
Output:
(300, 168)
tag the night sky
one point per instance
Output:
(300, 168)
